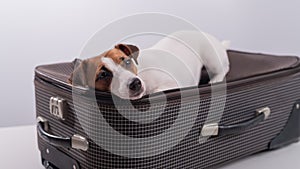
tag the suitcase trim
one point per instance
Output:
(291, 132)
(55, 159)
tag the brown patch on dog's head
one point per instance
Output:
(122, 55)
(103, 78)
(94, 74)
(84, 73)
(130, 50)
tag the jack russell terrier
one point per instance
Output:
(175, 61)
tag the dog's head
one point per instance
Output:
(115, 70)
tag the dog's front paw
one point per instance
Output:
(216, 79)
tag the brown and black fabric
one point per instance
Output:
(254, 81)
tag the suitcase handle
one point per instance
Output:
(216, 130)
(75, 142)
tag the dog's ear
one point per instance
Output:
(78, 77)
(130, 50)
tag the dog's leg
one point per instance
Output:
(217, 71)
(215, 59)
(217, 78)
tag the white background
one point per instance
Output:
(34, 32)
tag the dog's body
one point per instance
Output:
(175, 61)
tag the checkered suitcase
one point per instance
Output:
(196, 127)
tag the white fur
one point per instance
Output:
(176, 61)
(121, 79)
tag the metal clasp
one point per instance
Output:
(79, 142)
(265, 110)
(210, 130)
(58, 107)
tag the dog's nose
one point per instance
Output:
(135, 85)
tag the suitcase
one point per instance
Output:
(79, 128)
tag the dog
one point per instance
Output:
(175, 61)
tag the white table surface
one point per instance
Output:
(18, 150)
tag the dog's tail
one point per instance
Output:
(226, 44)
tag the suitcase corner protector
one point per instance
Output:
(291, 131)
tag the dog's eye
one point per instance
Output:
(122, 58)
(103, 74)
(128, 62)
